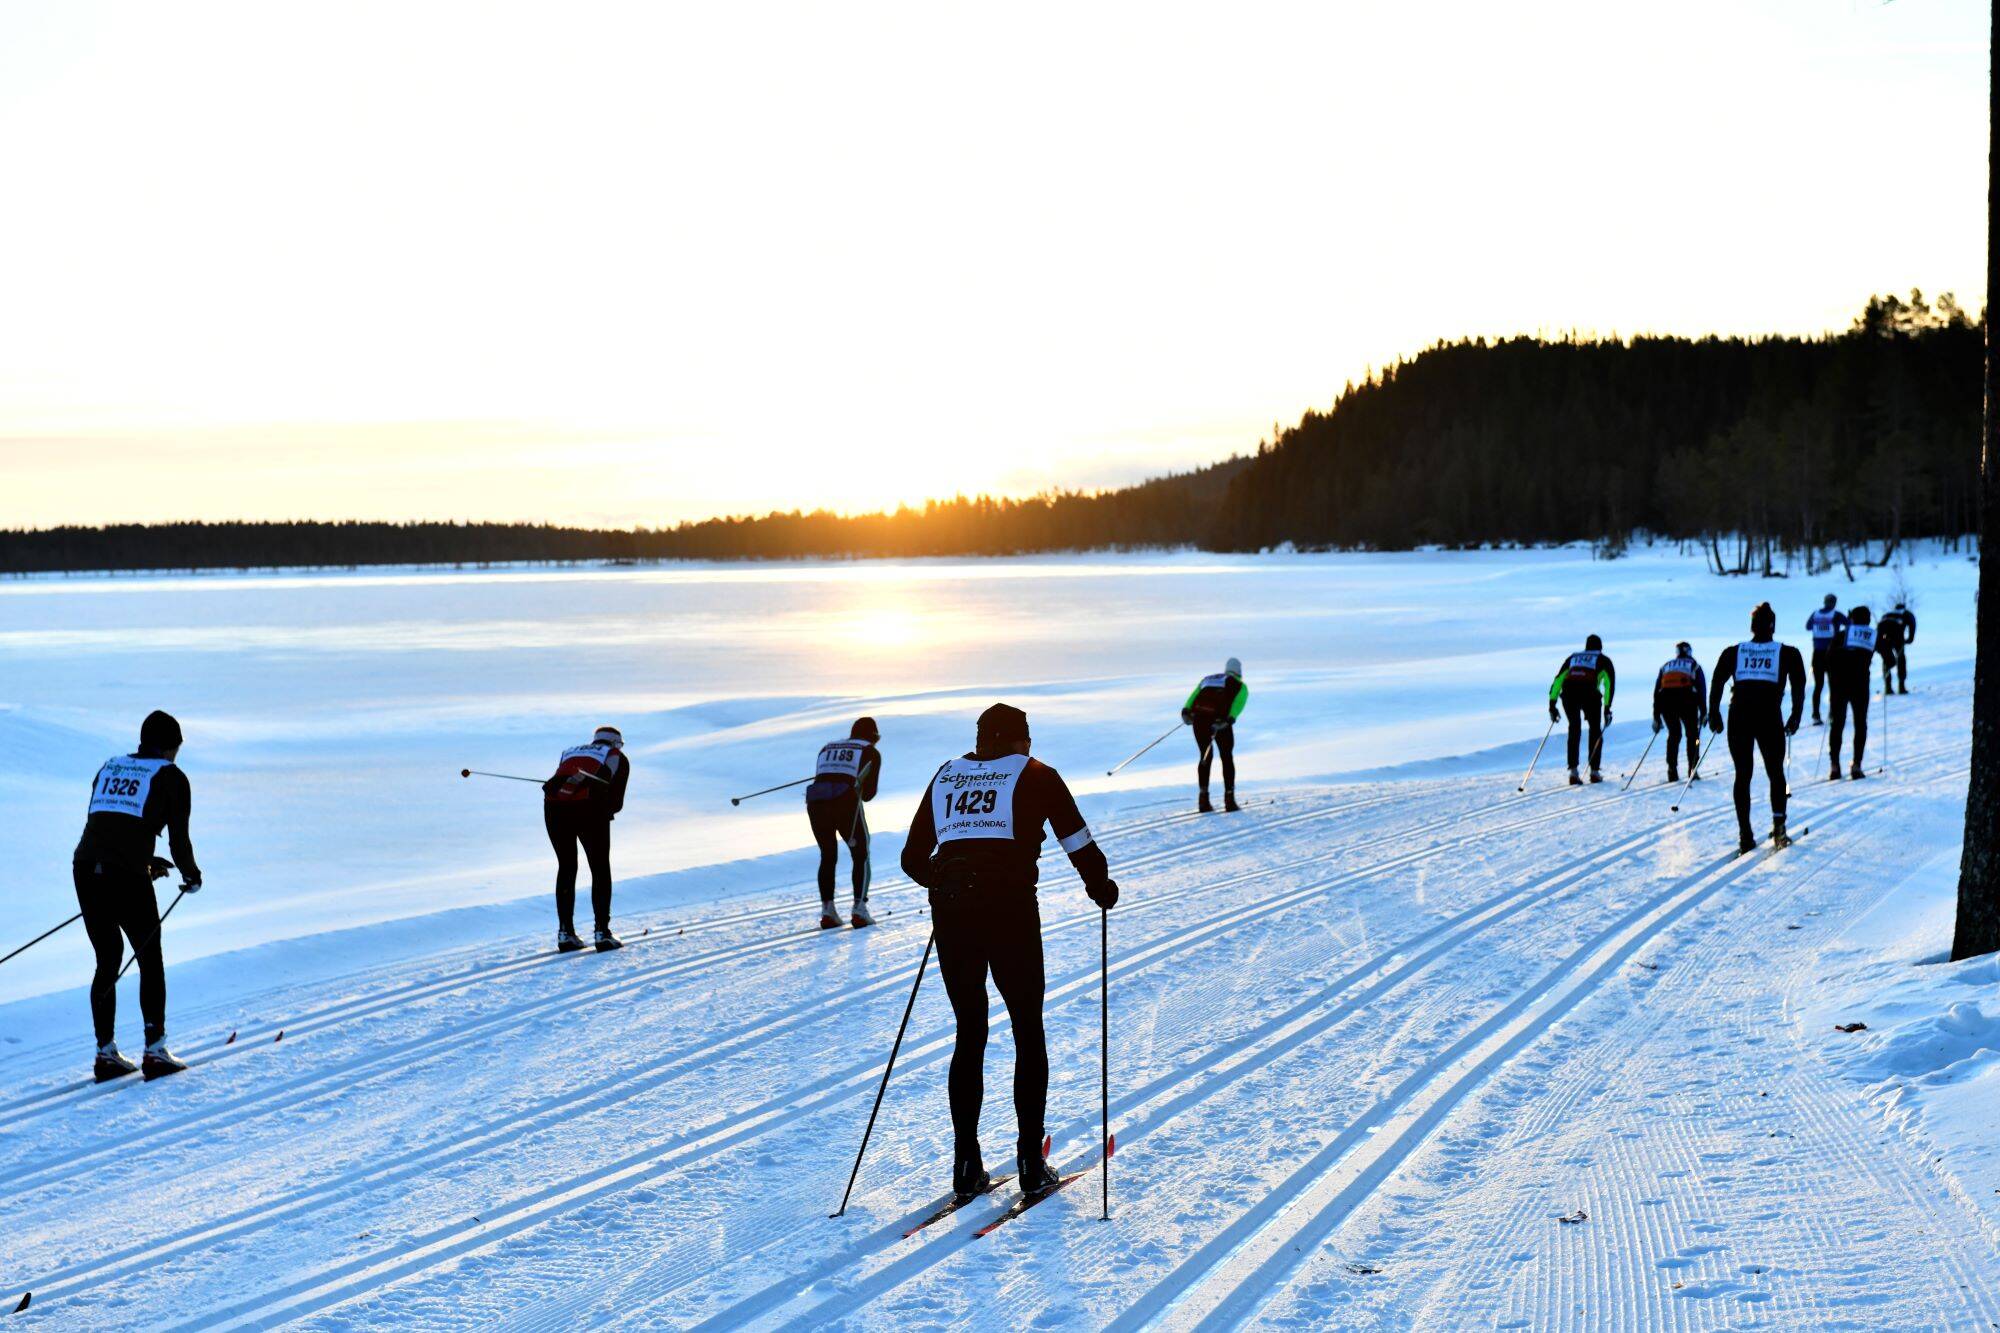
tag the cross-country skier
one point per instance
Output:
(132, 798)
(1825, 625)
(845, 775)
(1680, 704)
(1585, 684)
(1898, 630)
(974, 844)
(1852, 669)
(1212, 708)
(582, 797)
(1761, 668)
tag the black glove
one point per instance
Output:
(191, 885)
(1658, 726)
(158, 866)
(1715, 724)
(1792, 726)
(1187, 717)
(1224, 723)
(1104, 893)
(1554, 716)
(1607, 715)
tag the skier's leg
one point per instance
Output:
(1860, 727)
(1204, 737)
(962, 965)
(1593, 712)
(1743, 750)
(100, 922)
(1836, 724)
(1771, 741)
(563, 839)
(826, 832)
(1018, 974)
(1225, 745)
(139, 918)
(857, 850)
(1819, 680)
(595, 835)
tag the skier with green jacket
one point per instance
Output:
(1212, 708)
(1584, 686)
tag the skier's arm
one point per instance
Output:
(1556, 685)
(921, 842)
(1066, 822)
(1236, 704)
(1658, 698)
(1909, 627)
(1700, 695)
(620, 773)
(172, 786)
(871, 774)
(1608, 674)
(1793, 664)
(1725, 667)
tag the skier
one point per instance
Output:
(1212, 708)
(1585, 684)
(132, 798)
(1825, 625)
(974, 844)
(1680, 704)
(582, 797)
(1898, 630)
(1853, 665)
(1761, 668)
(845, 775)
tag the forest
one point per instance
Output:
(1764, 451)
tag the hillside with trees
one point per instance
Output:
(1763, 451)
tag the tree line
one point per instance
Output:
(1766, 450)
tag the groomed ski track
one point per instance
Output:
(1368, 1043)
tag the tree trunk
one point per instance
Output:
(1979, 867)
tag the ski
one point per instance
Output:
(1791, 836)
(1027, 1201)
(952, 1203)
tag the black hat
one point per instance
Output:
(1592, 644)
(1763, 619)
(1684, 648)
(1860, 615)
(1001, 728)
(864, 729)
(159, 732)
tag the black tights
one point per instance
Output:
(1849, 700)
(1747, 736)
(1214, 741)
(833, 822)
(593, 832)
(118, 905)
(1000, 930)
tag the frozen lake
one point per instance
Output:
(328, 714)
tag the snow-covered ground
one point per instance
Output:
(1373, 1040)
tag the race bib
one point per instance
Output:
(842, 759)
(974, 798)
(1583, 666)
(1861, 637)
(578, 765)
(1822, 623)
(122, 786)
(1758, 662)
(1678, 674)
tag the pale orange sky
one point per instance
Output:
(637, 263)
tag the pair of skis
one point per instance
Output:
(952, 1203)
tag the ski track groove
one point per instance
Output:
(444, 1246)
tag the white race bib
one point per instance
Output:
(974, 798)
(123, 784)
(1679, 674)
(1862, 637)
(842, 759)
(1758, 662)
(1822, 623)
(1217, 682)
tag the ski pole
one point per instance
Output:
(39, 938)
(1104, 1051)
(155, 937)
(738, 800)
(1113, 772)
(481, 773)
(1886, 690)
(1693, 769)
(1641, 764)
(886, 1071)
(1538, 756)
(860, 823)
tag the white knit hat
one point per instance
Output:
(608, 736)
(1234, 668)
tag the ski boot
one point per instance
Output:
(158, 1061)
(110, 1064)
(968, 1174)
(1575, 779)
(1816, 721)
(567, 942)
(1229, 802)
(1596, 775)
(1746, 841)
(1779, 838)
(1902, 689)
(859, 915)
(1203, 806)
(1834, 776)
(1857, 772)
(605, 940)
(1036, 1178)
(829, 915)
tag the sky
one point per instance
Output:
(639, 263)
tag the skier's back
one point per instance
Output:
(1680, 704)
(580, 800)
(1824, 625)
(1761, 668)
(845, 776)
(1853, 663)
(1212, 708)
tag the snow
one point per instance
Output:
(1374, 1040)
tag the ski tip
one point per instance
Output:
(26, 1296)
(1110, 1144)
(280, 1037)
(1048, 1142)
(231, 1041)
